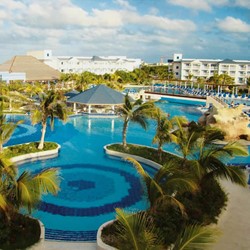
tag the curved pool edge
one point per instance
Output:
(47, 154)
(99, 242)
(40, 244)
(136, 157)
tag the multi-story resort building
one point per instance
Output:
(78, 64)
(193, 69)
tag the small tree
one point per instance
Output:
(50, 107)
(164, 128)
(137, 112)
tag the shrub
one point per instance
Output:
(27, 148)
(204, 206)
(170, 222)
(146, 152)
(18, 232)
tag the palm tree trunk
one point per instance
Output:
(124, 133)
(160, 153)
(41, 144)
(1, 147)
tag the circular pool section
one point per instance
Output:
(88, 197)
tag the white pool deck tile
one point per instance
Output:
(62, 245)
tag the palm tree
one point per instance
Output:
(212, 160)
(205, 158)
(164, 128)
(7, 173)
(137, 231)
(6, 128)
(50, 106)
(166, 184)
(27, 189)
(137, 112)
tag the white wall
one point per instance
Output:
(7, 77)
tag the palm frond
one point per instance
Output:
(3, 202)
(48, 181)
(137, 231)
(126, 227)
(232, 173)
(36, 116)
(154, 190)
(27, 194)
(196, 237)
(7, 167)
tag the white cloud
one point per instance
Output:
(192, 4)
(243, 3)
(235, 25)
(125, 5)
(159, 22)
(153, 11)
(200, 5)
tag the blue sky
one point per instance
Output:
(146, 29)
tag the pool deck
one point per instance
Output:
(64, 245)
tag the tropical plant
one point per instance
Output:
(166, 184)
(50, 107)
(196, 237)
(205, 158)
(164, 128)
(137, 112)
(136, 231)
(6, 128)
(25, 190)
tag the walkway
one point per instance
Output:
(62, 245)
(234, 222)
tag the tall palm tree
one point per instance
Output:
(137, 112)
(6, 128)
(164, 128)
(166, 184)
(50, 107)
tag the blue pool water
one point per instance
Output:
(92, 183)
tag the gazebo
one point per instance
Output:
(97, 100)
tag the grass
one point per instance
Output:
(145, 152)
(27, 148)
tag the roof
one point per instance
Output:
(228, 61)
(101, 94)
(34, 69)
(71, 93)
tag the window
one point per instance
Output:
(176, 73)
(61, 63)
(62, 70)
(178, 57)
(177, 67)
(48, 54)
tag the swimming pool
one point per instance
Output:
(93, 184)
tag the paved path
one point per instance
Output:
(235, 221)
(59, 245)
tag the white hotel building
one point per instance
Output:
(204, 68)
(78, 64)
